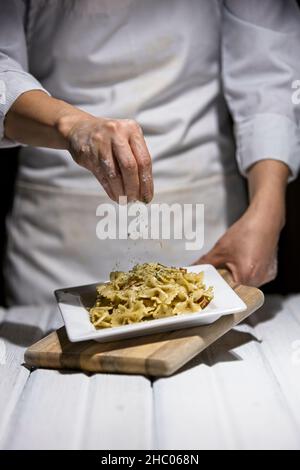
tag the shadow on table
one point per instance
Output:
(273, 305)
(220, 351)
(223, 349)
(20, 334)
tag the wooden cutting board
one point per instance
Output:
(156, 355)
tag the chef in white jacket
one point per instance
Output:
(111, 98)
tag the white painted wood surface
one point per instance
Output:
(246, 395)
(19, 328)
(53, 410)
(242, 393)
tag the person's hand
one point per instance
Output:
(248, 250)
(115, 151)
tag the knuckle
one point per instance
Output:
(131, 122)
(119, 143)
(112, 175)
(251, 274)
(133, 125)
(83, 149)
(249, 271)
(109, 170)
(113, 125)
(145, 165)
(98, 136)
(129, 165)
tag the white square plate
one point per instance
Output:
(72, 303)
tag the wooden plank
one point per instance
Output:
(48, 409)
(75, 411)
(124, 405)
(229, 399)
(239, 394)
(279, 331)
(19, 327)
(157, 355)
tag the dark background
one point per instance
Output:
(288, 280)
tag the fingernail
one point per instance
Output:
(147, 198)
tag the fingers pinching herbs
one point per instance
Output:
(106, 166)
(142, 156)
(115, 151)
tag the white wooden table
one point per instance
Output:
(244, 392)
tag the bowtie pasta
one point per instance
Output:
(147, 292)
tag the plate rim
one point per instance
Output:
(117, 333)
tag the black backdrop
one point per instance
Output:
(8, 161)
(288, 280)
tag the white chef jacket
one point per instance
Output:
(178, 68)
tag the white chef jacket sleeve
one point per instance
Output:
(261, 62)
(14, 76)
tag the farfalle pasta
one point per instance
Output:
(147, 292)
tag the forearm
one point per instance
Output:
(249, 248)
(114, 150)
(267, 182)
(40, 120)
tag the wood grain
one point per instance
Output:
(244, 392)
(157, 355)
(19, 327)
(67, 411)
